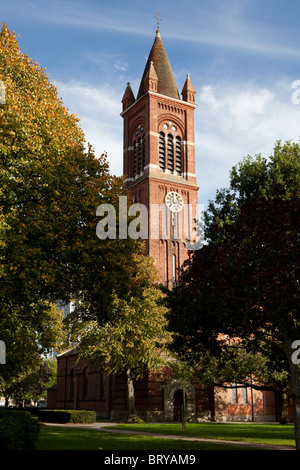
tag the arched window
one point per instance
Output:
(178, 155)
(170, 151)
(161, 150)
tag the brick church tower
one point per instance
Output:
(159, 160)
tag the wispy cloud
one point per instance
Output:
(90, 16)
(235, 25)
(105, 60)
(212, 23)
(240, 42)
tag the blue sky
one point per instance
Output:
(243, 57)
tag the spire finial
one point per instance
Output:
(158, 18)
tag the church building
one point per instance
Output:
(159, 166)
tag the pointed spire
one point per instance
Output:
(166, 81)
(188, 91)
(128, 97)
(151, 79)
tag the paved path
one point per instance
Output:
(108, 427)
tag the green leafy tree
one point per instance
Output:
(33, 384)
(25, 343)
(134, 339)
(258, 366)
(254, 175)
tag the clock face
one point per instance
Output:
(174, 201)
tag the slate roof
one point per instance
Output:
(166, 81)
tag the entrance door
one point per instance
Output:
(177, 405)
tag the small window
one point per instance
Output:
(161, 151)
(170, 153)
(234, 397)
(134, 163)
(244, 395)
(139, 155)
(174, 268)
(143, 151)
(178, 155)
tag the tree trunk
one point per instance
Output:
(283, 412)
(131, 410)
(295, 395)
(296, 408)
(184, 410)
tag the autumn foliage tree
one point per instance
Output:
(51, 184)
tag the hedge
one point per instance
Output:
(18, 430)
(67, 416)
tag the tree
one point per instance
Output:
(247, 285)
(134, 338)
(51, 184)
(253, 176)
(32, 386)
(240, 363)
(26, 342)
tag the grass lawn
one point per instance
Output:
(75, 438)
(60, 438)
(274, 434)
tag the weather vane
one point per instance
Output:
(158, 18)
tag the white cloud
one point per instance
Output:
(99, 111)
(233, 122)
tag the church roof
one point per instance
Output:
(150, 72)
(188, 86)
(166, 81)
(128, 94)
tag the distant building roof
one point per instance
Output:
(68, 352)
(54, 387)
